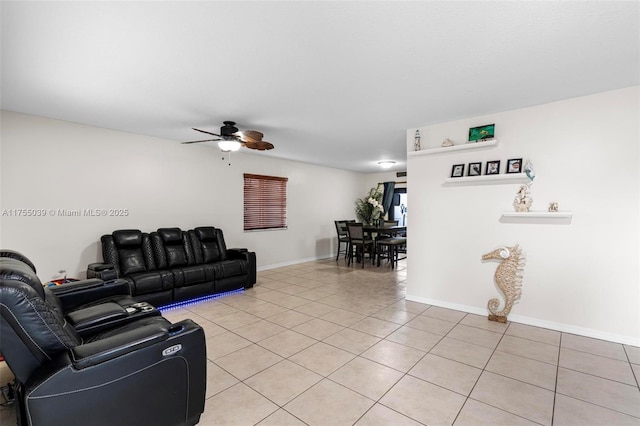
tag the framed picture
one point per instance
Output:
(493, 168)
(482, 133)
(514, 165)
(475, 169)
(457, 170)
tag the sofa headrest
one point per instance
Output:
(15, 270)
(18, 256)
(127, 238)
(206, 233)
(170, 235)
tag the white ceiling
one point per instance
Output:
(331, 83)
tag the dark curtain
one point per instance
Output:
(387, 195)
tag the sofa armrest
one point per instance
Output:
(80, 293)
(117, 345)
(250, 257)
(237, 253)
(95, 316)
(104, 271)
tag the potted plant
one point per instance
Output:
(369, 209)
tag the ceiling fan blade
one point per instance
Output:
(204, 131)
(205, 140)
(252, 135)
(259, 145)
(265, 146)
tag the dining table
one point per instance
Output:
(384, 229)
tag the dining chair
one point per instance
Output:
(385, 235)
(343, 237)
(389, 248)
(359, 242)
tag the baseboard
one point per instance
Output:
(291, 262)
(565, 328)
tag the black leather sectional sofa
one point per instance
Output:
(172, 265)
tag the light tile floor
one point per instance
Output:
(321, 343)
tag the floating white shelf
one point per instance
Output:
(540, 218)
(455, 148)
(539, 215)
(488, 179)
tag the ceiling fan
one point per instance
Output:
(231, 139)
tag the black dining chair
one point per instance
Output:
(343, 237)
(382, 235)
(389, 248)
(359, 242)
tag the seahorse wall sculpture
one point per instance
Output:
(508, 277)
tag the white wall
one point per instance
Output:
(581, 277)
(50, 164)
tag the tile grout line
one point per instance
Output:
(555, 388)
(633, 371)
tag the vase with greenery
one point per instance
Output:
(369, 209)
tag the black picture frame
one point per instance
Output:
(457, 170)
(492, 168)
(514, 165)
(474, 169)
(482, 133)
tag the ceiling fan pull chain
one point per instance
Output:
(228, 153)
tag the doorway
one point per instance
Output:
(399, 206)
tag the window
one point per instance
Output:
(265, 202)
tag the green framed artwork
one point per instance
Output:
(482, 133)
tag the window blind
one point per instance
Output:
(265, 202)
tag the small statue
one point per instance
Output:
(416, 143)
(508, 277)
(553, 207)
(523, 199)
(528, 170)
(447, 142)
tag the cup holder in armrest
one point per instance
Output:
(143, 307)
(175, 329)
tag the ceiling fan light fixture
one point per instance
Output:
(230, 145)
(387, 164)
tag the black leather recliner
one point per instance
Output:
(174, 253)
(91, 305)
(233, 268)
(148, 371)
(131, 254)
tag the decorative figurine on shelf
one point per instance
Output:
(416, 143)
(508, 277)
(528, 170)
(523, 199)
(553, 207)
(447, 142)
